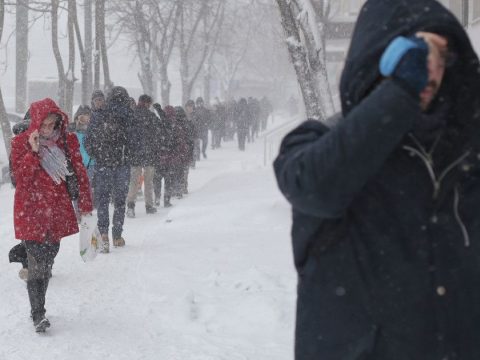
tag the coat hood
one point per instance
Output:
(170, 113)
(379, 22)
(39, 110)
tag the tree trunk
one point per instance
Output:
(70, 76)
(4, 123)
(21, 56)
(165, 85)
(97, 58)
(87, 64)
(58, 57)
(207, 77)
(100, 21)
(298, 57)
(143, 49)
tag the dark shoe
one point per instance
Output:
(105, 245)
(119, 242)
(37, 289)
(131, 213)
(41, 324)
(151, 209)
(167, 204)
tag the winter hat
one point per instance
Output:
(82, 110)
(190, 103)
(118, 95)
(97, 94)
(199, 101)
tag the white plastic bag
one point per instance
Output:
(90, 238)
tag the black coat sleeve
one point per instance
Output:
(320, 171)
(91, 136)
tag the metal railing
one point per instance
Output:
(274, 137)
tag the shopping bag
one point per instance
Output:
(90, 238)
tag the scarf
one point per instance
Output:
(52, 158)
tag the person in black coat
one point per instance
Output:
(146, 141)
(242, 118)
(109, 141)
(386, 232)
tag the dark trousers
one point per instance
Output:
(242, 134)
(40, 258)
(167, 175)
(204, 138)
(111, 182)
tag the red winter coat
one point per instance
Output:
(42, 207)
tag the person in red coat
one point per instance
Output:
(43, 211)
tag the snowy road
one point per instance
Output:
(211, 278)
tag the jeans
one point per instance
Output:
(111, 182)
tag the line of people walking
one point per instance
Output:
(63, 170)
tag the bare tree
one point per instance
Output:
(298, 54)
(57, 55)
(85, 49)
(166, 30)
(70, 76)
(21, 59)
(4, 123)
(191, 43)
(100, 54)
(304, 23)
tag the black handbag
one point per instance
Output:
(70, 180)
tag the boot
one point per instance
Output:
(131, 210)
(105, 245)
(166, 202)
(150, 209)
(37, 289)
(119, 242)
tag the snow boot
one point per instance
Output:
(37, 289)
(131, 210)
(41, 324)
(119, 242)
(150, 209)
(105, 245)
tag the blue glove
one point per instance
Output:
(405, 59)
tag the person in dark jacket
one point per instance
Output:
(193, 130)
(242, 122)
(218, 125)
(98, 100)
(385, 203)
(187, 129)
(108, 141)
(163, 168)
(144, 153)
(203, 121)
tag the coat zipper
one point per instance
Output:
(427, 158)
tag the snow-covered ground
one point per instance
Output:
(210, 278)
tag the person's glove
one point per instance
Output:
(405, 59)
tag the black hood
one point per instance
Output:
(379, 22)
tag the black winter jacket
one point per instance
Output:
(386, 225)
(109, 137)
(146, 138)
